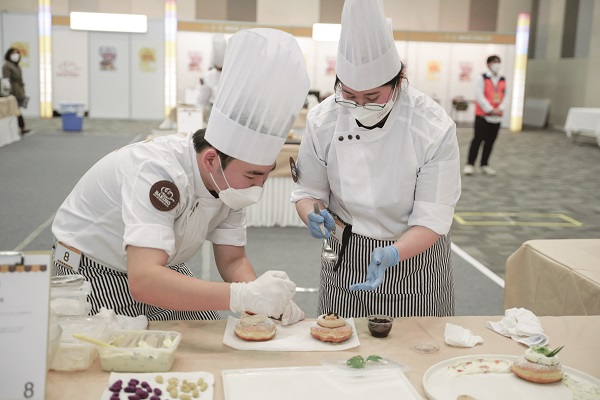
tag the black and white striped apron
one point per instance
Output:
(420, 286)
(110, 289)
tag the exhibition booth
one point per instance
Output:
(122, 75)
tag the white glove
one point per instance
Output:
(292, 314)
(269, 294)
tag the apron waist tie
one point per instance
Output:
(346, 234)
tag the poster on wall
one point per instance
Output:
(147, 57)
(68, 69)
(108, 55)
(23, 48)
(195, 60)
(465, 71)
(330, 62)
(433, 70)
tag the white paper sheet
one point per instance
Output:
(295, 337)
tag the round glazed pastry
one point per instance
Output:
(535, 366)
(331, 328)
(256, 328)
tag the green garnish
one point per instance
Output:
(545, 350)
(374, 358)
(356, 362)
(360, 362)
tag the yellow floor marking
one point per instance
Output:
(487, 219)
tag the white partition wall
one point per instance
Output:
(109, 64)
(21, 31)
(194, 50)
(147, 63)
(325, 55)
(70, 69)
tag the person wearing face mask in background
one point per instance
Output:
(140, 213)
(209, 82)
(491, 92)
(13, 72)
(381, 160)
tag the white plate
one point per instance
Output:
(439, 384)
(150, 377)
(315, 383)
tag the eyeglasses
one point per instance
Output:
(339, 99)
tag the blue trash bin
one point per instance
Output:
(72, 115)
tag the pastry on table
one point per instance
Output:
(255, 328)
(331, 328)
(539, 364)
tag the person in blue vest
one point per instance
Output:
(490, 103)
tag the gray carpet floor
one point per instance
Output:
(544, 182)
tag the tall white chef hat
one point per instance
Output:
(219, 44)
(262, 89)
(367, 56)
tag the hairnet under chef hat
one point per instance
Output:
(367, 56)
(219, 44)
(263, 86)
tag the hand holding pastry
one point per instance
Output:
(292, 314)
(269, 294)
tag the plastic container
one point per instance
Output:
(54, 335)
(74, 354)
(72, 115)
(139, 351)
(380, 325)
(68, 295)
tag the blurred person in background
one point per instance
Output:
(209, 82)
(12, 71)
(490, 103)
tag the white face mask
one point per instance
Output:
(14, 57)
(370, 118)
(237, 199)
(495, 68)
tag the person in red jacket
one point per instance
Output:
(490, 101)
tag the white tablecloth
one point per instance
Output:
(583, 121)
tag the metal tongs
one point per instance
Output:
(327, 253)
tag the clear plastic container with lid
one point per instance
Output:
(68, 295)
(74, 354)
(139, 351)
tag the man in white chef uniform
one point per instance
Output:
(209, 82)
(138, 215)
(381, 160)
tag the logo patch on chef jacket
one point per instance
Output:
(294, 170)
(164, 195)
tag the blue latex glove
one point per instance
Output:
(381, 259)
(314, 220)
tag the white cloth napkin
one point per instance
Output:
(522, 326)
(458, 336)
(122, 322)
(295, 337)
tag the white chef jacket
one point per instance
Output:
(383, 180)
(208, 89)
(484, 103)
(110, 206)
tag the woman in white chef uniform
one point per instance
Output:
(381, 160)
(141, 212)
